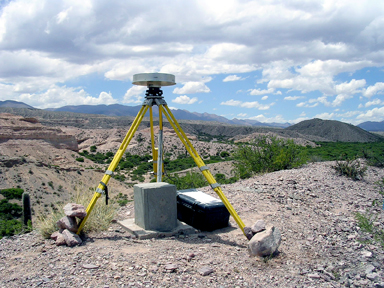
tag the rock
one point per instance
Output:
(60, 240)
(248, 232)
(89, 266)
(75, 210)
(366, 254)
(71, 238)
(265, 243)
(369, 269)
(258, 226)
(372, 276)
(68, 223)
(204, 271)
(19, 128)
(170, 267)
(314, 276)
(54, 235)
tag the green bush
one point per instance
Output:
(350, 168)
(374, 159)
(12, 193)
(10, 210)
(190, 180)
(220, 178)
(268, 154)
(224, 154)
(80, 159)
(93, 149)
(10, 227)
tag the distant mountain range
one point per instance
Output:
(14, 104)
(372, 126)
(180, 114)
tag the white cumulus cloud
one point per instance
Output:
(134, 95)
(231, 78)
(292, 98)
(261, 92)
(378, 88)
(191, 88)
(253, 104)
(185, 100)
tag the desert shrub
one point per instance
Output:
(10, 227)
(80, 159)
(220, 178)
(224, 154)
(190, 180)
(99, 219)
(119, 177)
(266, 154)
(93, 149)
(350, 168)
(330, 151)
(366, 220)
(12, 193)
(9, 211)
(122, 199)
(373, 159)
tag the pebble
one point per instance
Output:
(89, 266)
(205, 271)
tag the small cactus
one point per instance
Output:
(27, 213)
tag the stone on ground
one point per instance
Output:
(71, 238)
(68, 223)
(248, 232)
(258, 226)
(265, 243)
(60, 240)
(75, 210)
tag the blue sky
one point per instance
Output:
(271, 61)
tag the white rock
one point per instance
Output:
(265, 243)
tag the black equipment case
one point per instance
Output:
(201, 210)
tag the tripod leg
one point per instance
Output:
(204, 169)
(112, 166)
(160, 147)
(154, 150)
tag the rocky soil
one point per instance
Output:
(322, 245)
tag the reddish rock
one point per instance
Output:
(71, 238)
(60, 240)
(54, 235)
(75, 210)
(68, 223)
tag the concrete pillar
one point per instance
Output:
(155, 206)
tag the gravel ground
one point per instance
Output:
(322, 245)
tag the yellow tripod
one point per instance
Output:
(153, 97)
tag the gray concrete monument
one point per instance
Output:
(155, 206)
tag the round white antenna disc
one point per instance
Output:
(153, 79)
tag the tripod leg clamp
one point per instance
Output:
(105, 191)
(215, 185)
(203, 168)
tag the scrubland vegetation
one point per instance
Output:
(263, 155)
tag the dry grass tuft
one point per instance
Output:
(99, 219)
